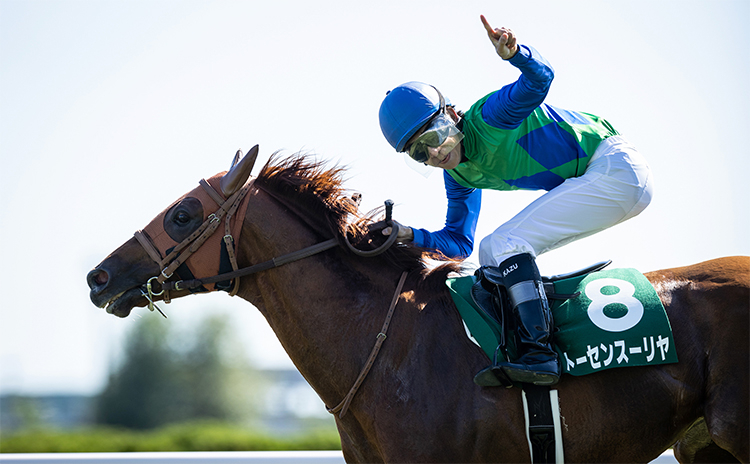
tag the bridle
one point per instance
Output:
(227, 209)
(187, 247)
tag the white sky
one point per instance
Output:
(110, 110)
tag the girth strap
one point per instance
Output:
(543, 427)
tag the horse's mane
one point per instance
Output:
(317, 192)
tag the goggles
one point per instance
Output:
(438, 129)
(437, 132)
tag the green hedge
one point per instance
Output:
(182, 437)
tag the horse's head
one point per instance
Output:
(180, 241)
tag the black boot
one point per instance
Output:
(537, 362)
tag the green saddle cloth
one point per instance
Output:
(616, 321)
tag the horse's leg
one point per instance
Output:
(355, 444)
(713, 453)
(719, 301)
(726, 408)
(710, 302)
(696, 446)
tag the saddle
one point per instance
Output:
(491, 296)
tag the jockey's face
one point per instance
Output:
(446, 155)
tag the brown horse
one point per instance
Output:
(418, 403)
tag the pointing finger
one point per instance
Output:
(487, 27)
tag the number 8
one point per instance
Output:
(599, 301)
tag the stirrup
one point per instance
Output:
(493, 376)
(525, 373)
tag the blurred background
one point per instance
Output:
(110, 110)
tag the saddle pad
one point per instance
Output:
(616, 321)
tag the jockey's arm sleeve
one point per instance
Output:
(510, 105)
(456, 239)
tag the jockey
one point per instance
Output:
(509, 140)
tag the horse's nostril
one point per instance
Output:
(97, 278)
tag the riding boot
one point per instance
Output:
(537, 361)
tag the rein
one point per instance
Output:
(245, 271)
(296, 255)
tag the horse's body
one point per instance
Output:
(418, 403)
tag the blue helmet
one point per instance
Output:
(407, 108)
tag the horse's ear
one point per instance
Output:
(237, 157)
(239, 173)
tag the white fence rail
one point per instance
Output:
(224, 457)
(228, 457)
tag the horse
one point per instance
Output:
(413, 398)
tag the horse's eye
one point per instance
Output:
(182, 218)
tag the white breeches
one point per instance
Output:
(616, 186)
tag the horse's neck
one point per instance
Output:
(325, 323)
(325, 310)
